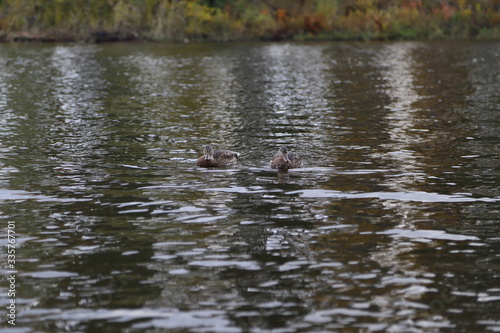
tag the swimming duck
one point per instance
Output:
(286, 160)
(216, 158)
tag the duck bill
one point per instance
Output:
(285, 157)
(207, 156)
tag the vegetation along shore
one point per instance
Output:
(238, 20)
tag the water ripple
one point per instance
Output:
(416, 196)
(426, 234)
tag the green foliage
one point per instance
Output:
(178, 20)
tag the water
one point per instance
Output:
(391, 225)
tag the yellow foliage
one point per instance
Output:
(466, 13)
(251, 19)
(125, 16)
(327, 8)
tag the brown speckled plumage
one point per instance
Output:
(216, 158)
(286, 160)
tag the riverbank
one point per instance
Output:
(103, 36)
(61, 36)
(239, 20)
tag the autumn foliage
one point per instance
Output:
(227, 20)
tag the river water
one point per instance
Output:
(392, 224)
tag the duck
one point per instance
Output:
(216, 157)
(285, 160)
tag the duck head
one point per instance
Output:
(208, 152)
(284, 153)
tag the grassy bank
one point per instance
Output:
(232, 20)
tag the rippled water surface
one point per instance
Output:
(392, 224)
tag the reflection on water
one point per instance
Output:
(390, 225)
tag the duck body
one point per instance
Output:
(216, 157)
(285, 160)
